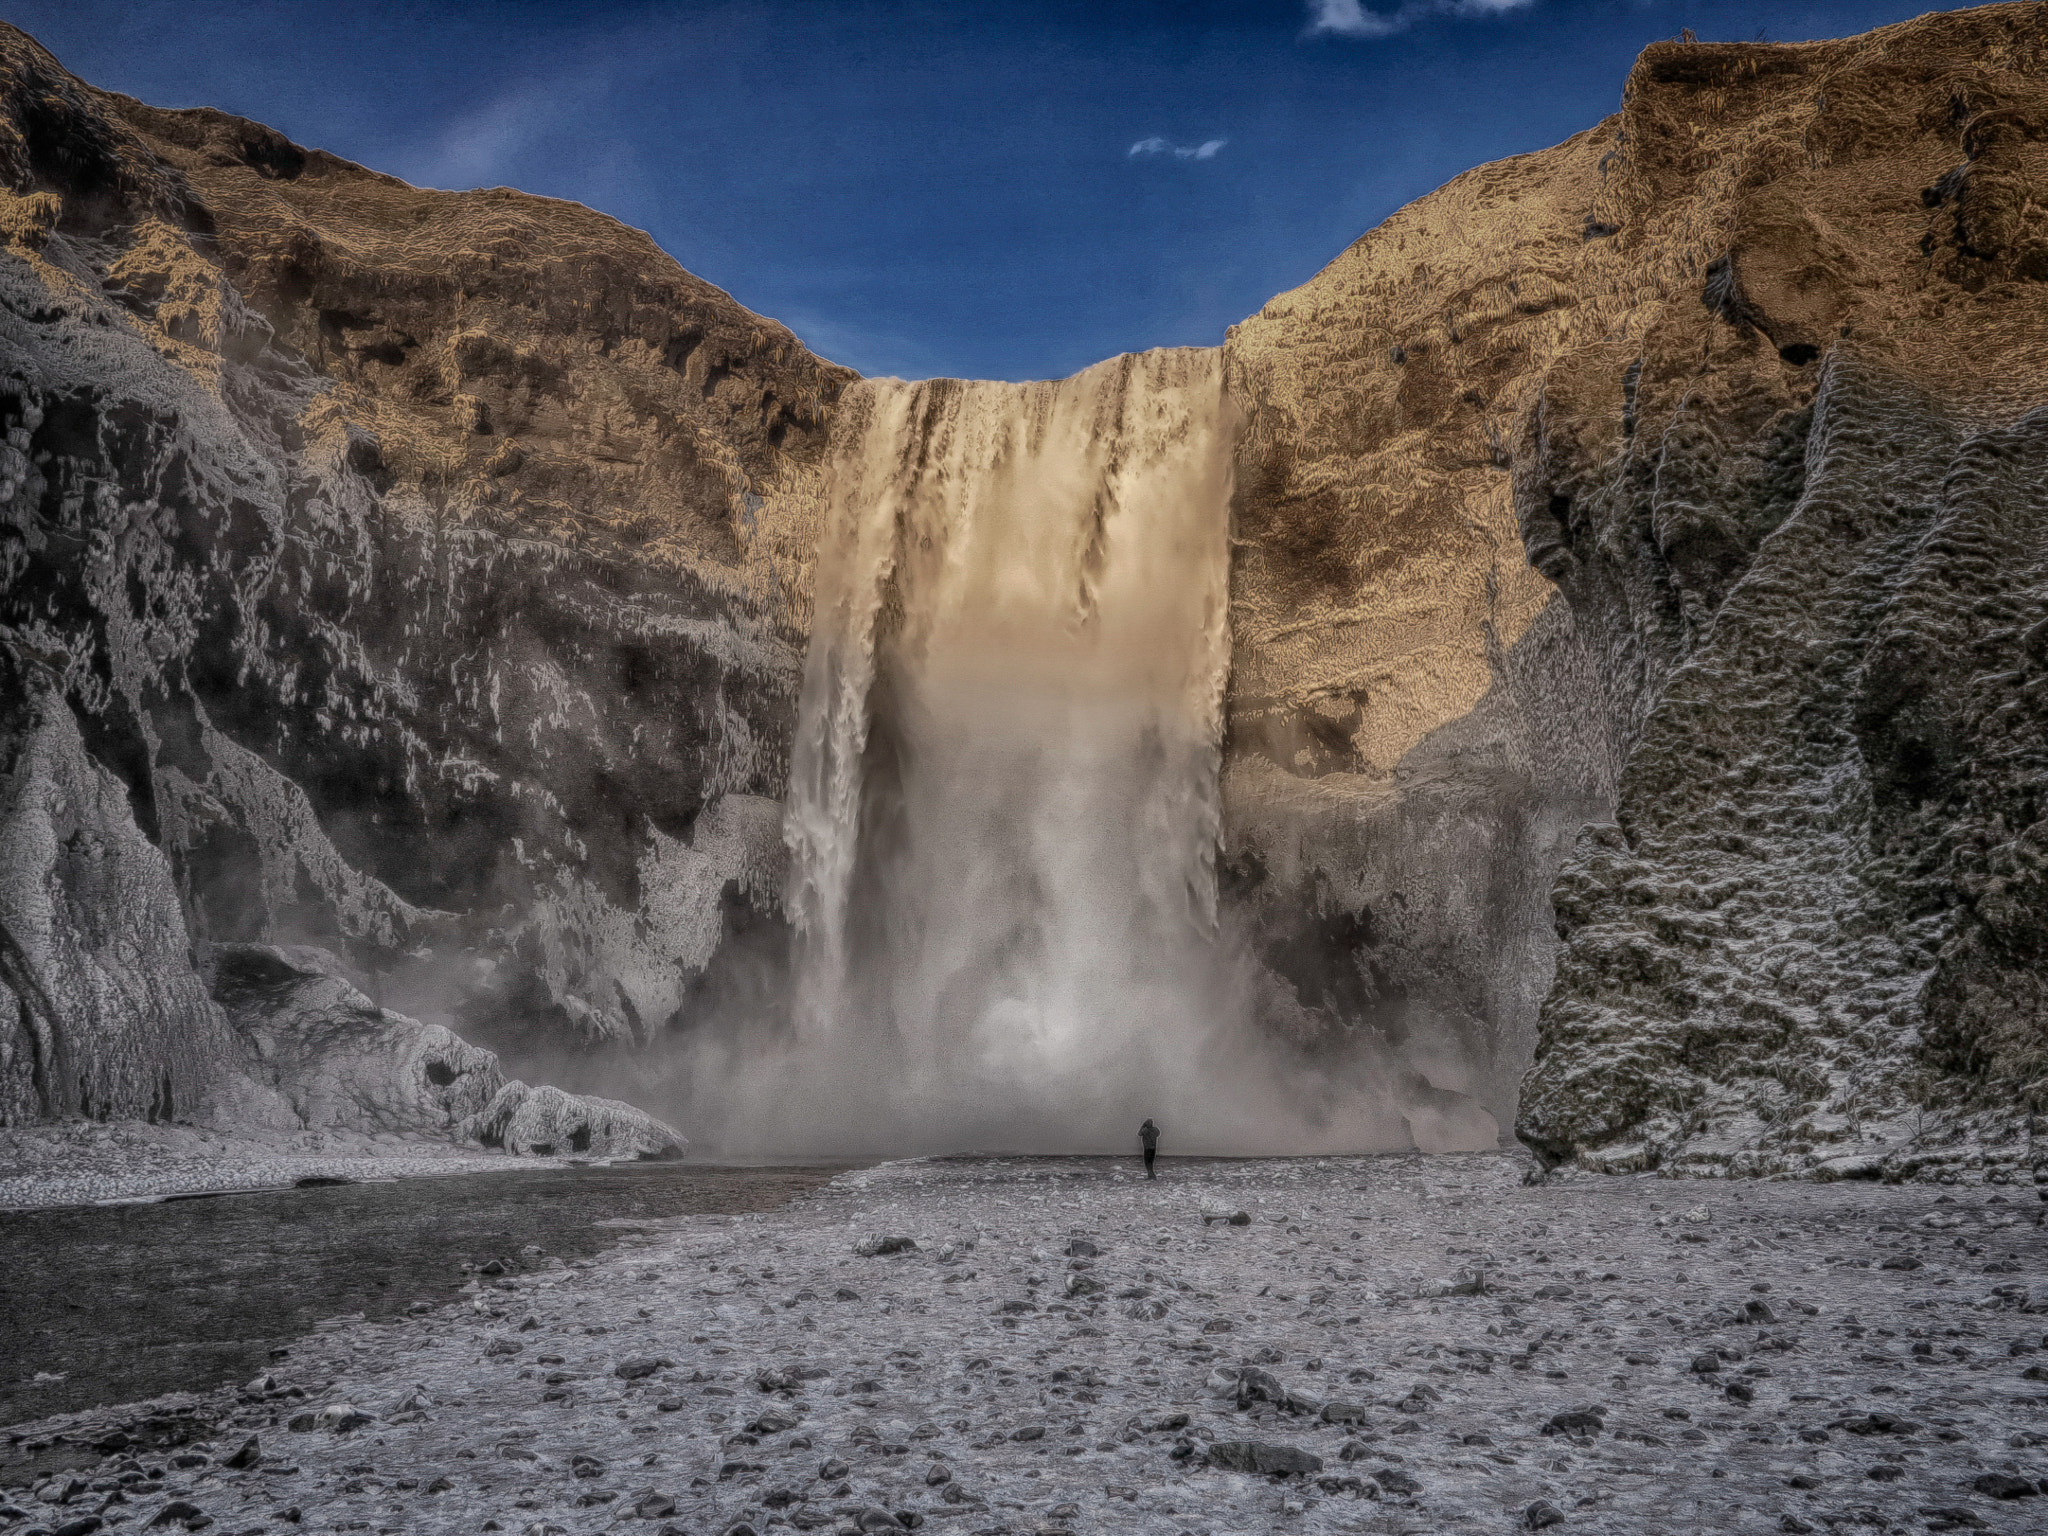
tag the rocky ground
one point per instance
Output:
(1034, 1345)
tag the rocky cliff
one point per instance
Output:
(425, 577)
(396, 553)
(1794, 497)
(1747, 371)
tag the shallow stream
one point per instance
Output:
(128, 1301)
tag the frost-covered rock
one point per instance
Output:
(339, 1061)
(337, 1058)
(100, 1012)
(269, 565)
(546, 1122)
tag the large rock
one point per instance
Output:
(546, 1121)
(338, 1061)
(336, 1058)
(100, 1012)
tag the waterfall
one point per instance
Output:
(1004, 808)
(1004, 803)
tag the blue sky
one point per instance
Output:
(1001, 190)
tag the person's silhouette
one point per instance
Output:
(1148, 1133)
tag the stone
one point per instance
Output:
(1261, 1457)
(639, 1367)
(1576, 1421)
(2005, 1485)
(1542, 1514)
(1953, 1517)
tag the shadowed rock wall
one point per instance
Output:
(398, 552)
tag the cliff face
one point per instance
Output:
(1749, 370)
(1416, 725)
(1795, 501)
(426, 577)
(397, 551)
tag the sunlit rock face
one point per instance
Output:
(1416, 726)
(1795, 499)
(399, 553)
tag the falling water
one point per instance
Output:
(1003, 813)
(1004, 807)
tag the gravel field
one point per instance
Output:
(1344, 1345)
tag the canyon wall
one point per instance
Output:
(1635, 593)
(1753, 368)
(1796, 503)
(397, 553)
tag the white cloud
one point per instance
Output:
(1206, 150)
(1350, 18)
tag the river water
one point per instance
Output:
(125, 1302)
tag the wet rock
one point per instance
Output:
(639, 1367)
(2005, 1485)
(1952, 1517)
(1576, 1422)
(1261, 1457)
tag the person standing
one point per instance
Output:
(1148, 1133)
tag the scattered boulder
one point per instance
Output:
(1260, 1457)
